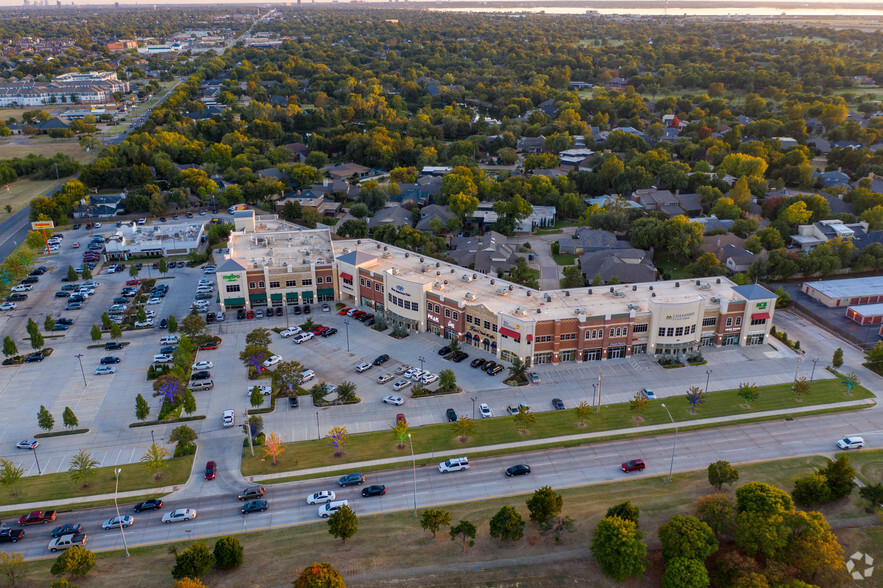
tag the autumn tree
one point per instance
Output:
(524, 419)
(583, 411)
(624, 510)
(400, 430)
(433, 519)
(720, 473)
(273, 446)
(618, 547)
(718, 511)
(154, 459)
(747, 392)
(637, 405)
(695, 397)
(10, 473)
(319, 575)
(338, 438)
(801, 388)
(74, 562)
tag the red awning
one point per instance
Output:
(761, 316)
(510, 333)
(530, 338)
(346, 276)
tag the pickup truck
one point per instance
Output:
(38, 516)
(66, 541)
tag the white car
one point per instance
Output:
(204, 282)
(485, 411)
(150, 314)
(154, 300)
(396, 400)
(162, 358)
(851, 443)
(401, 385)
(321, 497)
(105, 369)
(409, 372)
(428, 378)
(91, 284)
(96, 226)
(265, 390)
(147, 323)
(116, 522)
(209, 269)
(273, 360)
(182, 514)
(384, 378)
(416, 375)
(228, 418)
(301, 337)
(203, 365)
(21, 288)
(291, 331)
(8, 306)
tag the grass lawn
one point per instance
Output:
(564, 259)
(430, 438)
(46, 147)
(868, 465)
(392, 548)
(133, 477)
(668, 265)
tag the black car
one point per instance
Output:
(377, 490)
(382, 359)
(203, 375)
(329, 331)
(297, 311)
(62, 294)
(66, 530)
(307, 309)
(292, 401)
(370, 321)
(120, 300)
(152, 504)
(478, 362)
(76, 226)
(444, 350)
(113, 345)
(11, 535)
(138, 266)
(459, 356)
(60, 327)
(557, 404)
(255, 506)
(451, 414)
(353, 479)
(518, 470)
(38, 272)
(68, 287)
(77, 298)
(364, 317)
(495, 370)
(34, 357)
(164, 324)
(16, 297)
(488, 366)
(64, 321)
(240, 314)
(109, 359)
(30, 280)
(279, 311)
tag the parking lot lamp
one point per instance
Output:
(116, 504)
(414, 468)
(707, 376)
(473, 408)
(675, 445)
(813, 372)
(421, 359)
(79, 356)
(39, 472)
(346, 324)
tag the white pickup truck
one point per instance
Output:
(66, 541)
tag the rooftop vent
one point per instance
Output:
(677, 284)
(502, 291)
(407, 255)
(715, 300)
(548, 298)
(359, 242)
(470, 296)
(520, 311)
(438, 285)
(438, 273)
(421, 260)
(567, 294)
(718, 280)
(580, 311)
(653, 295)
(386, 255)
(346, 250)
(539, 310)
(385, 248)
(619, 293)
(395, 271)
(466, 278)
(528, 294)
(590, 291)
(378, 245)
(437, 264)
(651, 288)
(612, 289)
(493, 282)
(511, 287)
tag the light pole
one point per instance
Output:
(346, 323)
(414, 468)
(116, 504)
(594, 392)
(248, 433)
(79, 356)
(707, 376)
(39, 471)
(673, 447)
(473, 408)
(796, 369)
(812, 373)
(318, 434)
(421, 359)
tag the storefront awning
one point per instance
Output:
(276, 296)
(530, 338)
(257, 297)
(760, 316)
(291, 296)
(346, 276)
(325, 291)
(234, 301)
(510, 333)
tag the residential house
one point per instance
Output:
(540, 216)
(485, 254)
(53, 124)
(809, 236)
(100, 205)
(392, 215)
(531, 144)
(653, 199)
(299, 149)
(586, 240)
(309, 199)
(691, 204)
(712, 223)
(618, 84)
(736, 259)
(431, 213)
(785, 142)
(831, 178)
(347, 170)
(572, 158)
(625, 265)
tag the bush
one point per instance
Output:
(811, 489)
(228, 553)
(193, 562)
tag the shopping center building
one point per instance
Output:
(271, 262)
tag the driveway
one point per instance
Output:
(541, 246)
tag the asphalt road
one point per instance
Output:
(13, 231)
(219, 514)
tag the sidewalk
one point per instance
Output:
(121, 497)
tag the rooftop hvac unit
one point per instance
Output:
(395, 271)
(421, 260)
(548, 298)
(580, 311)
(305, 261)
(715, 299)
(426, 268)
(633, 307)
(520, 311)
(618, 293)
(466, 278)
(386, 255)
(438, 286)
(502, 291)
(470, 296)
(270, 262)
(705, 286)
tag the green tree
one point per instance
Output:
(163, 266)
(173, 324)
(184, 436)
(260, 337)
(154, 459)
(686, 572)
(401, 431)
(228, 553)
(573, 277)
(637, 405)
(10, 473)
(192, 325)
(507, 524)
(286, 377)
(45, 420)
(624, 510)
(194, 562)
(433, 519)
(760, 519)
(721, 472)
(465, 531)
(116, 331)
(524, 419)
(343, 524)
(851, 380)
(748, 392)
(133, 270)
(82, 468)
(37, 340)
(142, 409)
(801, 387)
(837, 359)
(618, 547)
(96, 333)
(48, 324)
(686, 537)
(544, 504)
(87, 273)
(463, 427)
(74, 562)
(72, 275)
(256, 398)
(12, 565)
(718, 511)
(695, 396)
(69, 419)
(873, 493)
(188, 402)
(319, 575)
(811, 489)
(447, 380)
(841, 477)
(346, 391)
(338, 438)
(583, 411)
(9, 347)
(518, 369)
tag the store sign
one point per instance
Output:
(400, 290)
(232, 277)
(680, 317)
(761, 305)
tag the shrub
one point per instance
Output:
(228, 553)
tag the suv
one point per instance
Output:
(851, 443)
(329, 508)
(362, 367)
(633, 465)
(353, 479)
(252, 492)
(455, 464)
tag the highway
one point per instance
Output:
(13, 231)
(218, 506)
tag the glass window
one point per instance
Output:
(447, 313)
(455, 315)
(730, 321)
(361, 281)
(251, 285)
(670, 332)
(709, 321)
(738, 321)
(415, 306)
(377, 286)
(642, 328)
(611, 331)
(291, 283)
(662, 331)
(261, 284)
(307, 282)
(274, 284)
(487, 324)
(679, 331)
(232, 287)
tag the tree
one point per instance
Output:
(189, 583)
(811, 489)
(525, 419)
(74, 562)
(748, 393)
(841, 477)
(319, 575)
(624, 510)
(48, 324)
(686, 537)
(801, 387)
(618, 548)
(463, 427)
(163, 266)
(720, 473)
(695, 397)
(194, 562)
(254, 356)
(12, 565)
(10, 474)
(273, 446)
(259, 336)
(465, 531)
(851, 380)
(82, 468)
(228, 553)
(507, 524)
(286, 377)
(95, 333)
(184, 436)
(9, 347)
(447, 380)
(343, 524)
(86, 273)
(192, 325)
(116, 331)
(256, 398)
(637, 405)
(338, 438)
(72, 275)
(718, 511)
(583, 412)
(69, 418)
(573, 277)
(188, 402)
(133, 270)
(544, 504)
(685, 572)
(518, 369)
(433, 519)
(837, 359)
(173, 324)
(142, 409)
(45, 420)
(346, 391)
(154, 460)
(873, 493)
(760, 520)
(37, 340)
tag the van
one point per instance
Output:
(204, 289)
(363, 367)
(307, 375)
(201, 385)
(169, 340)
(329, 508)
(455, 464)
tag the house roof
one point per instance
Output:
(433, 212)
(753, 292)
(393, 215)
(628, 265)
(230, 265)
(356, 258)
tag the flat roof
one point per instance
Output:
(850, 288)
(867, 309)
(135, 233)
(274, 242)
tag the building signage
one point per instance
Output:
(433, 318)
(231, 277)
(36, 225)
(400, 290)
(680, 317)
(452, 325)
(761, 305)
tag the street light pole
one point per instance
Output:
(318, 433)
(812, 373)
(707, 376)
(675, 445)
(248, 433)
(116, 504)
(39, 471)
(346, 324)
(796, 369)
(473, 408)
(79, 356)
(414, 468)
(594, 392)
(421, 359)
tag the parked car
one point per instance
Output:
(110, 345)
(394, 400)
(329, 331)
(557, 404)
(105, 370)
(353, 479)
(633, 465)
(376, 490)
(272, 360)
(211, 469)
(60, 327)
(648, 393)
(381, 359)
(207, 346)
(444, 350)
(451, 415)
(495, 370)
(291, 331)
(534, 377)
(35, 357)
(485, 411)
(384, 378)
(459, 356)
(401, 385)
(521, 469)
(28, 444)
(265, 390)
(300, 338)
(203, 365)
(293, 401)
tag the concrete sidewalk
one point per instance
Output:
(121, 497)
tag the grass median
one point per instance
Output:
(436, 438)
(133, 477)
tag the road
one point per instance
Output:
(13, 231)
(218, 507)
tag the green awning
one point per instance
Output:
(257, 297)
(234, 301)
(325, 291)
(275, 296)
(307, 296)
(291, 296)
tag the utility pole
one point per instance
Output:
(248, 433)
(599, 393)
(79, 356)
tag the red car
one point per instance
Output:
(343, 311)
(359, 313)
(210, 469)
(633, 465)
(319, 330)
(249, 314)
(133, 283)
(75, 245)
(205, 346)
(400, 418)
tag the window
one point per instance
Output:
(679, 331)
(362, 281)
(447, 313)
(274, 284)
(251, 285)
(662, 331)
(738, 321)
(754, 322)
(368, 283)
(568, 336)
(709, 322)
(487, 325)
(291, 283)
(377, 286)
(232, 287)
(588, 335)
(437, 309)
(407, 305)
(670, 332)
(469, 318)
(261, 284)
(320, 279)
(730, 321)
(455, 315)
(692, 329)
(415, 306)
(494, 328)
(618, 331)
(642, 328)
(611, 331)
(307, 282)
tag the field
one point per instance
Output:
(392, 550)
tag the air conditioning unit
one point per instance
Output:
(633, 307)
(386, 255)
(394, 271)
(705, 286)
(466, 278)
(426, 268)
(438, 285)
(618, 293)
(502, 291)
(520, 311)
(470, 296)
(580, 311)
